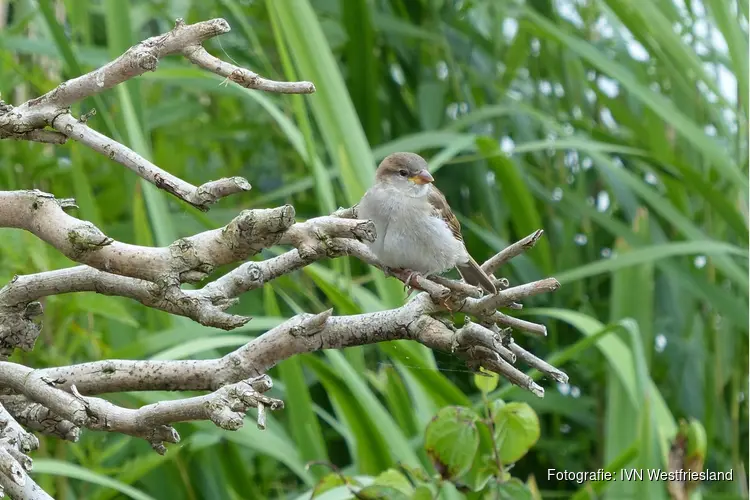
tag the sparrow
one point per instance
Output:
(417, 232)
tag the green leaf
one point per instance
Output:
(663, 107)
(422, 492)
(451, 441)
(113, 308)
(201, 345)
(381, 492)
(54, 467)
(395, 480)
(649, 254)
(369, 449)
(383, 421)
(327, 483)
(486, 381)
(697, 443)
(516, 430)
(332, 107)
(399, 402)
(513, 489)
(524, 215)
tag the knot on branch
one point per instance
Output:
(20, 326)
(145, 59)
(254, 273)
(40, 418)
(85, 237)
(187, 261)
(227, 406)
(160, 434)
(253, 230)
(307, 325)
(316, 237)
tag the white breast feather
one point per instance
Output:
(406, 238)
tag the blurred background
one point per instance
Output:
(617, 126)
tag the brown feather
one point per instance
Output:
(471, 272)
(443, 210)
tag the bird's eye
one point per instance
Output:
(403, 173)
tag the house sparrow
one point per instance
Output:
(416, 230)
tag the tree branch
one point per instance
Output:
(225, 407)
(27, 121)
(152, 276)
(517, 248)
(15, 444)
(39, 418)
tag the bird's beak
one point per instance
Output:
(422, 177)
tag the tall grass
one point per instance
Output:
(618, 126)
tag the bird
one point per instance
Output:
(416, 231)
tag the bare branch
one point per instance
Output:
(458, 287)
(303, 333)
(225, 407)
(13, 434)
(517, 248)
(200, 197)
(519, 324)
(43, 136)
(161, 270)
(28, 120)
(135, 61)
(504, 298)
(539, 364)
(29, 491)
(197, 55)
(346, 213)
(186, 260)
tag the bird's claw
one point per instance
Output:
(409, 278)
(446, 304)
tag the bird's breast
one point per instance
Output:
(408, 236)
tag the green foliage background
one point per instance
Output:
(617, 126)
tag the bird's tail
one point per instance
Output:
(472, 273)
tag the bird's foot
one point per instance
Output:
(446, 304)
(409, 278)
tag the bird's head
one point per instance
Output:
(406, 172)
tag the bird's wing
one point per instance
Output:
(442, 210)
